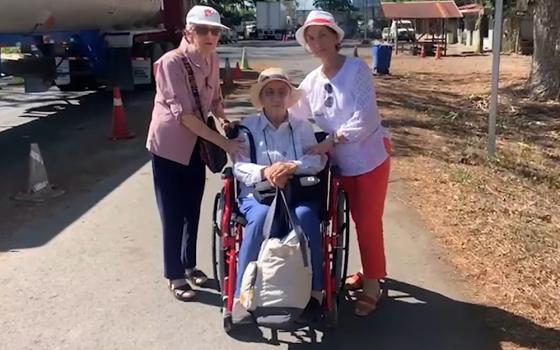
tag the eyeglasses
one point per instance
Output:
(329, 101)
(201, 30)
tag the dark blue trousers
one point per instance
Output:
(179, 189)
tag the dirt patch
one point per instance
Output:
(501, 219)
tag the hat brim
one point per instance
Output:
(300, 33)
(210, 24)
(255, 92)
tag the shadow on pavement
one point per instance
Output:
(79, 158)
(413, 318)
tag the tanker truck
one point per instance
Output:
(87, 44)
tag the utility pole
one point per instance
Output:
(365, 20)
(496, 48)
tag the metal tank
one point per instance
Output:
(42, 16)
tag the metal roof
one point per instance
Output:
(471, 9)
(421, 10)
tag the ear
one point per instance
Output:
(188, 35)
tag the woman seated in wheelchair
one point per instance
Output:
(280, 141)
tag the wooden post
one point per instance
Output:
(445, 37)
(396, 36)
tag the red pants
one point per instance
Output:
(366, 194)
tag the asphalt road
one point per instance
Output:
(84, 271)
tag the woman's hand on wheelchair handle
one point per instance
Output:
(321, 148)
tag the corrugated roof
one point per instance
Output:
(471, 9)
(421, 10)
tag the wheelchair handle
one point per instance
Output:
(232, 131)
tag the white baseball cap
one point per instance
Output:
(204, 15)
(318, 18)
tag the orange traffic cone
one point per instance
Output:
(423, 51)
(438, 53)
(119, 127)
(237, 72)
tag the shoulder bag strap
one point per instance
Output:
(194, 88)
(278, 205)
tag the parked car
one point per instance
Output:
(403, 30)
(251, 31)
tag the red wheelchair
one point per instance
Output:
(227, 236)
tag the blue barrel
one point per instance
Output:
(381, 58)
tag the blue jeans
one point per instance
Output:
(308, 216)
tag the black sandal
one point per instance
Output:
(183, 292)
(197, 277)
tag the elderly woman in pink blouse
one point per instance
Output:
(340, 96)
(173, 140)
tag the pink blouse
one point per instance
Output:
(167, 137)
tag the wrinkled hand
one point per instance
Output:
(322, 148)
(281, 181)
(278, 173)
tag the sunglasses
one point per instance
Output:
(329, 101)
(205, 30)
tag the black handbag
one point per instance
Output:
(300, 188)
(212, 155)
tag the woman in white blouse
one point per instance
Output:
(280, 143)
(340, 96)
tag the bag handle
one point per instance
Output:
(194, 88)
(276, 208)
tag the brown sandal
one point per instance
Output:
(197, 277)
(183, 292)
(354, 282)
(366, 304)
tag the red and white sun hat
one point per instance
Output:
(204, 15)
(318, 18)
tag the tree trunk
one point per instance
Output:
(545, 73)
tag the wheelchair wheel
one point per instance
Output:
(340, 251)
(331, 317)
(227, 320)
(218, 253)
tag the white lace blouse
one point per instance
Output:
(346, 103)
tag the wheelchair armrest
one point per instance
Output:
(263, 186)
(227, 173)
(309, 180)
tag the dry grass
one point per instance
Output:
(500, 220)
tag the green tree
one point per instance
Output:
(334, 5)
(232, 11)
